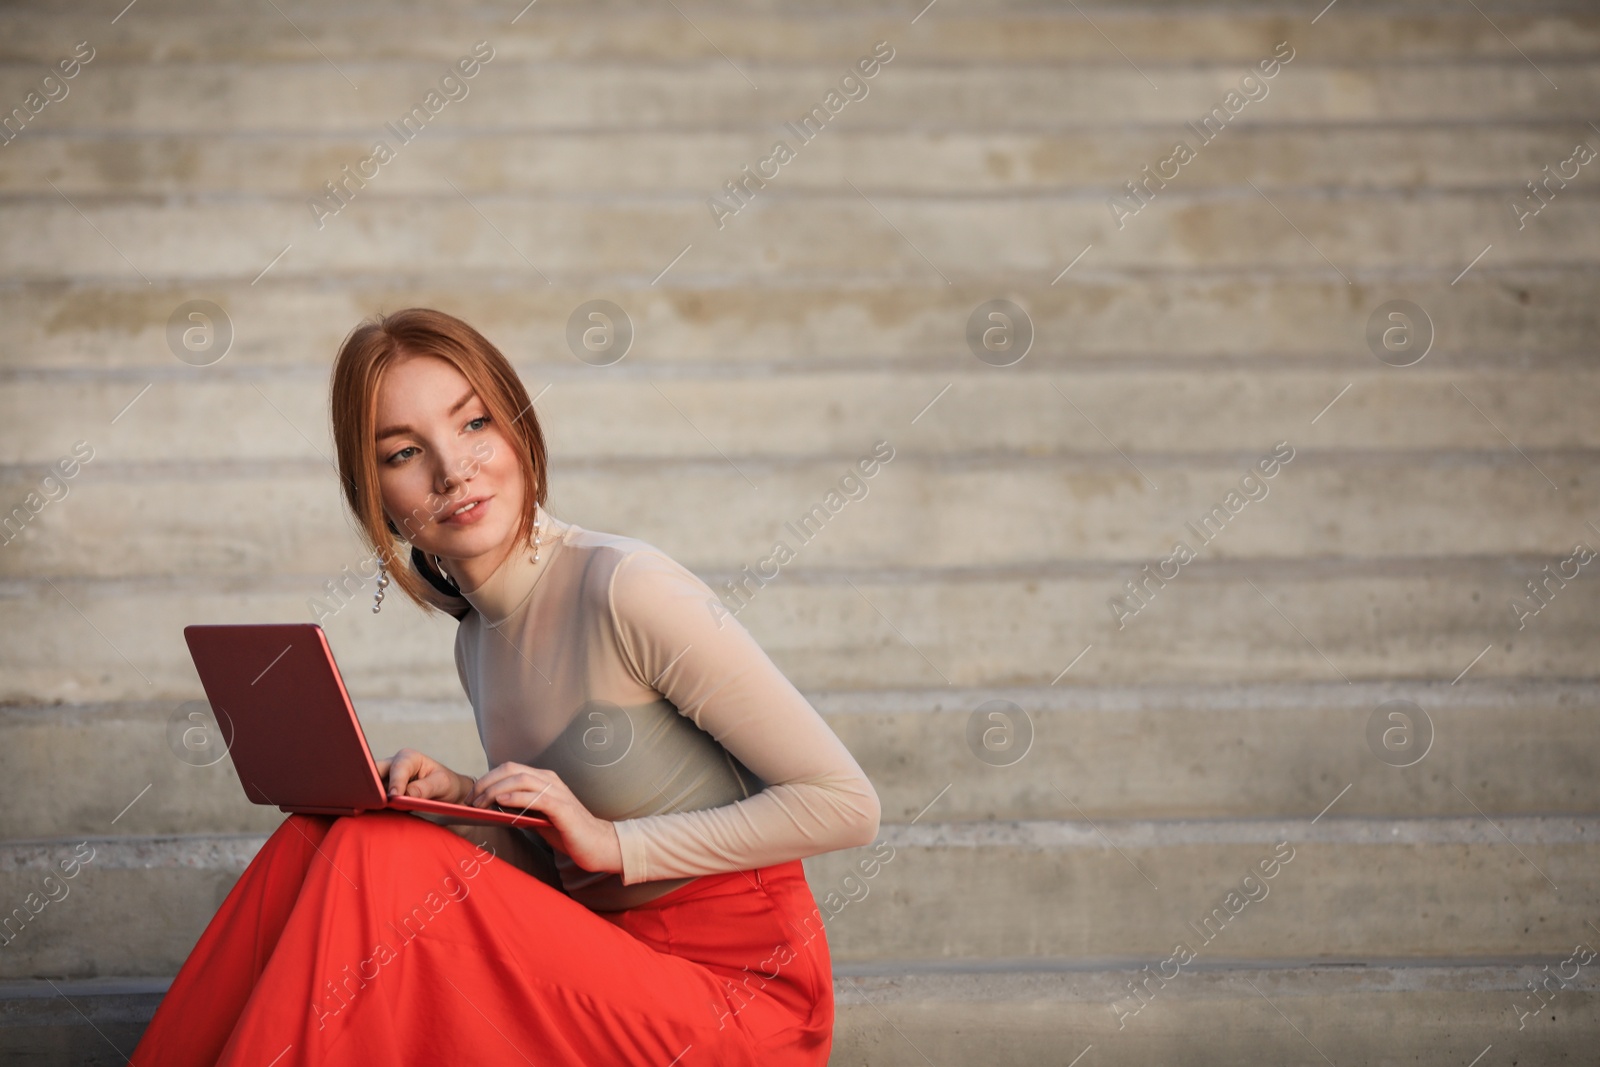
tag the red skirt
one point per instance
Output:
(384, 938)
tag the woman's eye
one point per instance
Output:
(398, 454)
(480, 418)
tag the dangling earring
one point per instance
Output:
(536, 541)
(383, 580)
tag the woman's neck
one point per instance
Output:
(508, 584)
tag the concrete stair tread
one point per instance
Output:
(1349, 1014)
(841, 239)
(1101, 515)
(890, 1011)
(1257, 320)
(1118, 753)
(1419, 159)
(201, 850)
(1483, 886)
(482, 9)
(966, 977)
(1383, 425)
(513, 95)
(982, 33)
(1411, 619)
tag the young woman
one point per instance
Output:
(684, 778)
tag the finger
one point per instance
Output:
(522, 802)
(401, 771)
(525, 781)
(496, 777)
(523, 792)
(433, 784)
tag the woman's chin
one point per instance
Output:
(464, 542)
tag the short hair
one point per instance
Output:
(367, 351)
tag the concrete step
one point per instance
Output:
(278, 424)
(512, 94)
(1065, 888)
(1146, 752)
(999, 241)
(1042, 416)
(899, 1012)
(1216, 622)
(1392, 1013)
(973, 34)
(1499, 157)
(288, 520)
(1475, 885)
(1147, 318)
(1381, 420)
(479, 10)
(89, 1022)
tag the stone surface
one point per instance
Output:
(1252, 889)
(1143, 752)
(965, 604)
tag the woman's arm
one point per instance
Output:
(677, 638)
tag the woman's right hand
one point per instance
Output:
(415, 774)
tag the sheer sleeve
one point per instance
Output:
(677, 638)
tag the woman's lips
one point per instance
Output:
(471, 515)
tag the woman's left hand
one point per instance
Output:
(591, 842)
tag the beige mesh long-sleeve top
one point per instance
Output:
(617, 668)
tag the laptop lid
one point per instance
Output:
(285, 715)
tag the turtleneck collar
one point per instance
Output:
(511, 584)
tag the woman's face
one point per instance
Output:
(438, 451)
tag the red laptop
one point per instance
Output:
(291, 730)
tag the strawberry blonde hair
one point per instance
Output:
(366, 353)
